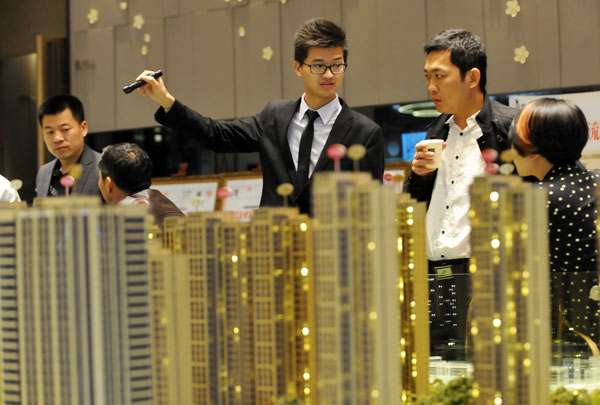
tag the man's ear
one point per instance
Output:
(474, 77)
(110, 184)
(84, 127)
(298, 68)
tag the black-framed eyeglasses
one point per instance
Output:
(319, 68)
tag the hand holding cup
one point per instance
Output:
(428, 156)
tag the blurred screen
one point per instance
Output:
(409, 140)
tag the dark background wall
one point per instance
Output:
(20, 22)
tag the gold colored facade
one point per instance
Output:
(356, 292)
(280, 351)
(413, 294)
(247, 289)
(510, 278)
(82, 325)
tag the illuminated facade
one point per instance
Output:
(82, 326)
(356, 291)
(413, 295)
(279, 298)
(510, 278)
(240, 291)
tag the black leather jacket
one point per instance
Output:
(494, 119)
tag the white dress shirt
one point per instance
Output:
(7, 193)
(447, 221)
(322, 127)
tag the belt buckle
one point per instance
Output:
(443, 272)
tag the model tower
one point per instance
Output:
(356, 291)
(413, 297)
(510, 282)
(82, 325)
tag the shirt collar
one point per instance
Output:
(325, 112)
(471, 121)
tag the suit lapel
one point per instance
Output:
(283, 124)
(86, 160)
(45, 178)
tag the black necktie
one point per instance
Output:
(305, 147)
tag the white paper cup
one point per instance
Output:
(435, 146)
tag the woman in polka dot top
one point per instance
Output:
(547, 137)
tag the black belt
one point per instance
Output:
(444, 269)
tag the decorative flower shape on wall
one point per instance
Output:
(521, 54)
(138, 21)
(144, 50)
(242, 31)
(147, 38)
(123, 5)
(283, 1)
(513, 8)
(92, 15)
(267, 53)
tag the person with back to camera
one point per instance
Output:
(455, 70)
(291, 137)
(125, 176)
(547, 137)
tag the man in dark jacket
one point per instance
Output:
(125, 178)
(455, 70)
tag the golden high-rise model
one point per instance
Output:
(413, 298)
(356, 290)
(510, 279)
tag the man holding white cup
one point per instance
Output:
(444, 167)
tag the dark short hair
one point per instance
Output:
(556, 129)
(319, 33)
(128, 166)
(59, 103)
(466, 51)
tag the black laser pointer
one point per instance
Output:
(131, 87)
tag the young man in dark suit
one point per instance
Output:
(64, 127)
(291, 144)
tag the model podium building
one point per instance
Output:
(75, 314)
(510, 283)
(237, 295)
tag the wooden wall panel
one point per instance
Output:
(386, 59)
(201, 6)
(199, 68)
(465, 14)
(109, 14)
(536, 27)
(257, 80)
(133, 110)
(579, 42)
(93, 76)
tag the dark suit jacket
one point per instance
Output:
(267, 132)
(88, 182)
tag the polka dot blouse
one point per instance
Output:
(572, 217)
